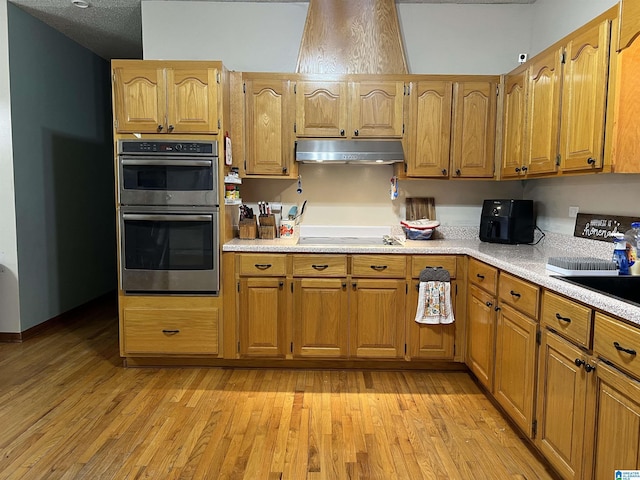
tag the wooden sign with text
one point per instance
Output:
(598, 226)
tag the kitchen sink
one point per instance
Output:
(623, 287)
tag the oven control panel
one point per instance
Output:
(167, 147)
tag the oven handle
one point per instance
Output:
(168, 163)
(167, 218)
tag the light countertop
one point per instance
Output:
(525, 261)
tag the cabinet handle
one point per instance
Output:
(170, 128)
(356, 133)
(320, 267)
(342, 133)
(620, 348)
(481, 277)
(591, 161)
(564, 319)
(379, 268)
(579, 362)
(589, 368)
(160, 127)
(170, 332)
(262, 266)
(489, 304)
(515, 294)
(444, 171)
(524, 169)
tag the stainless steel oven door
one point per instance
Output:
(169, 250)
(153, 180)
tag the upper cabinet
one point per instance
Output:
(268, 125)
(166, 97)
(514, 126)
(350, 108)
(629, 23)
(452, 123)
(474, 128)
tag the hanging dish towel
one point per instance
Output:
(434, 297)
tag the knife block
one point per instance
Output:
(267, 226)
(248, 228)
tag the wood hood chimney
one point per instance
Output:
(352, 36)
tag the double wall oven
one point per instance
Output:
(168, 214)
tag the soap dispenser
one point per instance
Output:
(620, 253)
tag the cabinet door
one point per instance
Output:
(629, 23)
(320, 321)
(377, 318)
(262, 317)
(481, 333)
(514, 124)
(515, 370)
(430, 341)
(430, 129)
(561, 405)
(377, 109)
(140, 99)
(321, 109)
(543, 112)
(268, 126)
(192, 100)
(474, 127)
(584, 95)
(616, 437)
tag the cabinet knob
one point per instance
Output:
(354, 285)
(160, 127)
(497, 309)
(591, 161)
(285, 170)
(356, 133)
(489, 304)
(589, 368)
(281, 284)
(342, 133)
(444, 171)
(517, 169)
(344, 284)
(170, 128)
(579, 362)
(458, 172)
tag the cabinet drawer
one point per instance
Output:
(319, 265)
(256, 264)
(617, 342)
(567, 318)
(419, 262)
(483, 275)
(522, 295)
(382, 266)
(170, 331)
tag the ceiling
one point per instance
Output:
(113, 28)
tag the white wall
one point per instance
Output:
(9, 299)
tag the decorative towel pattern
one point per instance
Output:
(434, 297)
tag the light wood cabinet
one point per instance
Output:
(269, 113)
(262, 317)
(372, 108)
(377, 317)
(481, 334)
(167, 326)
(515, 366)
(584, 98)
(629, 23)
(561, 404)
(166, 97)
(429, 136)
(514, 123)
(474, 129)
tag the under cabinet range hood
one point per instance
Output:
(364, 152)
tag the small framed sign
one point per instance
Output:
(599, 226)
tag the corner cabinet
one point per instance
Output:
(269, 123)
(166, 97)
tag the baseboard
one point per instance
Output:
(58, 319)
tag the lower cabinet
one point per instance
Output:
(320, 318)
(377, 318)
(262, 319)
(481, 334)
(561, 404)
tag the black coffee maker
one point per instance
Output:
(507, 221)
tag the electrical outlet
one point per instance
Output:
(573, 212)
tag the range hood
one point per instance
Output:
(363, 152)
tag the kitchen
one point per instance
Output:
(467, 210)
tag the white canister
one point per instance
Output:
(287, 228)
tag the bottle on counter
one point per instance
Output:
(620, 253)
(633, 240)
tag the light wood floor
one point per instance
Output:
(69, 410)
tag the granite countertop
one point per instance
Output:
(525, 261)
